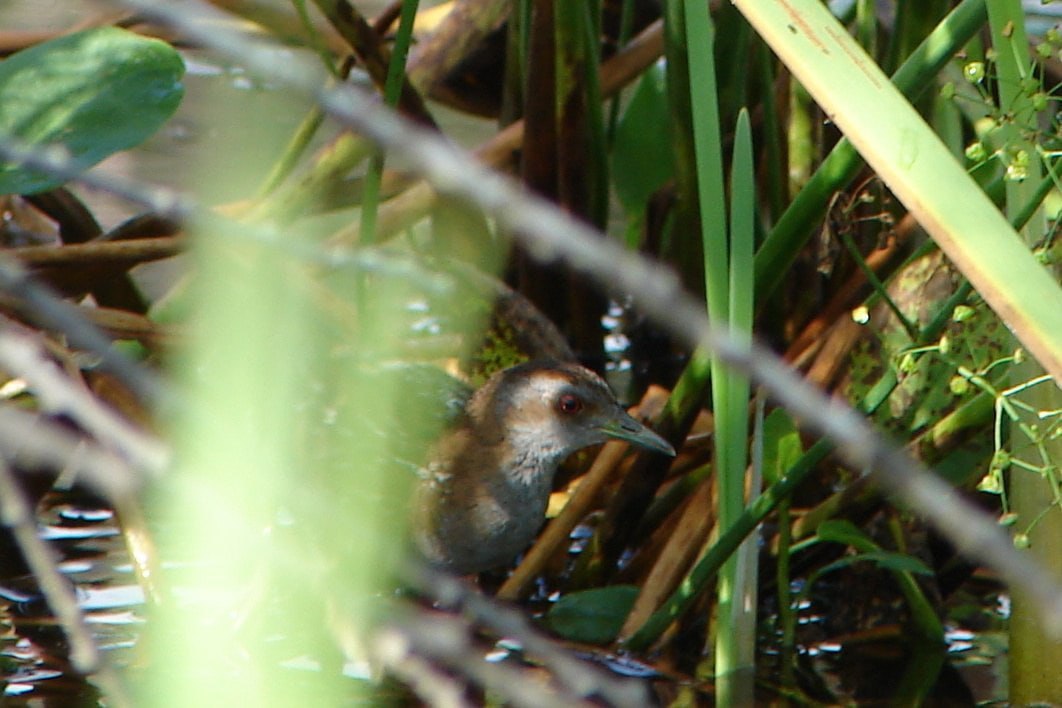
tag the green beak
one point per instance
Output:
(623, 427)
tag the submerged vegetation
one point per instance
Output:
(814, 244)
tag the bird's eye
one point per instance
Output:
(569, 404)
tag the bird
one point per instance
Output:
(485, 488)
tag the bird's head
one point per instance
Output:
(547, 410)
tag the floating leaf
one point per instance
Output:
(90, 94)
(592, 616)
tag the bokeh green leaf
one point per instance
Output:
(642, 157)
(91, 94)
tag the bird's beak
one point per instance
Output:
(623, 427)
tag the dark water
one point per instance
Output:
(33, 661)
(869, 667)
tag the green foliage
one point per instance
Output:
(925, 389)
(592, 616)
(887, 560)
(902, 565)
(90, 94)
(847, 533)
(781, 445)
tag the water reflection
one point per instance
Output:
(33, 663)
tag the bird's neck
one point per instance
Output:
(530, 458)
(523, 447)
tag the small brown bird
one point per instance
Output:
(490, 478)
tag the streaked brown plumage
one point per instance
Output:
(490, 478)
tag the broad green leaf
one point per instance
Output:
(592, 616)
(642, 158)
(91, 94)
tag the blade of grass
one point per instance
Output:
(307, 128)
(728, 288)
(392, 90)
(866, 24)
(736, 648)
(913, 20)
(707, 142)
